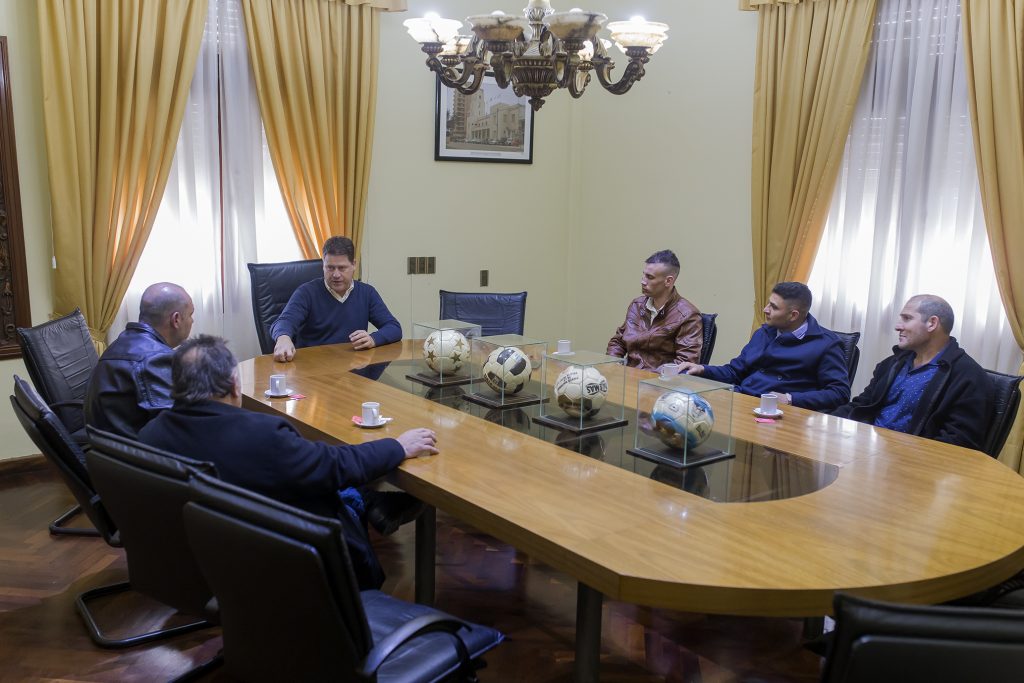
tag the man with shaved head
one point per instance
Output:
(132, 382)
(929, 387)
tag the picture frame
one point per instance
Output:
(492, 124)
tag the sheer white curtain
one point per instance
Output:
(906, 216)
(222, 208)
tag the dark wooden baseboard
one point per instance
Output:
(22, 464)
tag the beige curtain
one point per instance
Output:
(994, 53)
(315, 65)
(810, 63)
(116, 75)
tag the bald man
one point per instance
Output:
(929, 387)
(132, 382)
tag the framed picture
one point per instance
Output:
(492, 124)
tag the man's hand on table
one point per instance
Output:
(417, 442)
(361, 340)
(284, 349)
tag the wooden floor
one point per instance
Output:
(479, 578)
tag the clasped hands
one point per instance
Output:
(284, 348)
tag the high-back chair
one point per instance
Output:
(52, 439)
(272, 285)
(851, 352)
(60, 358)
(290, 606)
(1005, 400)
(145, 490)
(709, 337)
(495, 313)
(875, 641)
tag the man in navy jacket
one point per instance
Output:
(266, 454)
(791, 355)
(334, 309)
(929, 387)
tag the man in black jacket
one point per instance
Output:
(267, 455)
(132, 382)
(929, 387)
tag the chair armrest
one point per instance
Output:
(428, 623)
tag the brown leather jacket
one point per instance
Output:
(675, 335)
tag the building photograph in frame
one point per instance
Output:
(492, 124)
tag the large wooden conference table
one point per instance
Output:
(905, 519)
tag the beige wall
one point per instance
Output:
(18, 22)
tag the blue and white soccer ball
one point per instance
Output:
(445, 351)
(507, 370)
(682, 420)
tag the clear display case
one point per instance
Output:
(583, 392)
(506, 370)
(683, 421)
(442, 352)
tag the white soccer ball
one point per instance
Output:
(445, 351)
(581, 391)
(507, 369)
(681, 419)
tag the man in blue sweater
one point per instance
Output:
(790, 355)
(335, 309)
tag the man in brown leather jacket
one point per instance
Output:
(661, 326)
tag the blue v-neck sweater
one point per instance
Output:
(313, 317)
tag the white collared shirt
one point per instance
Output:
(341, 298)
(652, 310)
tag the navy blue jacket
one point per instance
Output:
(812, 370)
(131, 383)
(267, 455)
(955, 406)
(313, 317)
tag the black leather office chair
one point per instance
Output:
(495, 313)
(1005, 400)
(60, 357)
(710, 335)
(876, 641)
(272, 285)
(851, 353)
(290, 607)
(145, 491)
(52, 439)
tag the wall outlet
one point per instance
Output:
(484, 277)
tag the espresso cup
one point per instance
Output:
(277, 384)
(769, 404)
(371, 413)
(564, 346)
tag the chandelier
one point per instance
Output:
(538, 54)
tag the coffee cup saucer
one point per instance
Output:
(286, 394)
(358, 421)
(774, 416)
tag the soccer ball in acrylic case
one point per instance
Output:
(583, 391)
(442, 352)
(505, 370)
(683, 421)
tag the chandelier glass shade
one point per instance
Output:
(537, 53)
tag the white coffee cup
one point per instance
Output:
(277, 384)
(564, 346)
(769, 404)
(668, 370)
(371, 413)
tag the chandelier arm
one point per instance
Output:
(575, 88)
(633, 72)
(501, 66)
(467, 81)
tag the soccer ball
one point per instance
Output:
(580, 391)
(682, 419)
(507, 369)
(445, 351)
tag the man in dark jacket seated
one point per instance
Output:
(132, 381)
(929, 387)
(267, 455)
(334, 309)
(791, 355)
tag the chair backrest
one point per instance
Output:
(495, 313)
(851, 353)
(272, 285)
(876, 641)
(1005, 399)
(145, 491)
(710, 335)
(54, 441)
(60, 358)
(289, 604)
